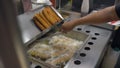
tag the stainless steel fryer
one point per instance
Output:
(89, 56)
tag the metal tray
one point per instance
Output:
(56, 25)
(56, 12)
(72, 34)
(29, 30)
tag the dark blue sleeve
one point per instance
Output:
(117, 9)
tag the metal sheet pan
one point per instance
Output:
(73, 34)
(29, 30)
(56, 12)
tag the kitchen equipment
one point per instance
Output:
(90, 55)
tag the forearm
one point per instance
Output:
(102, 16)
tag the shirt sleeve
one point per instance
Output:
(117, 9)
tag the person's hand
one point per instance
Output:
(68, 26)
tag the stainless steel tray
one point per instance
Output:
(72, 34)
(29, 30)
(57, 13)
